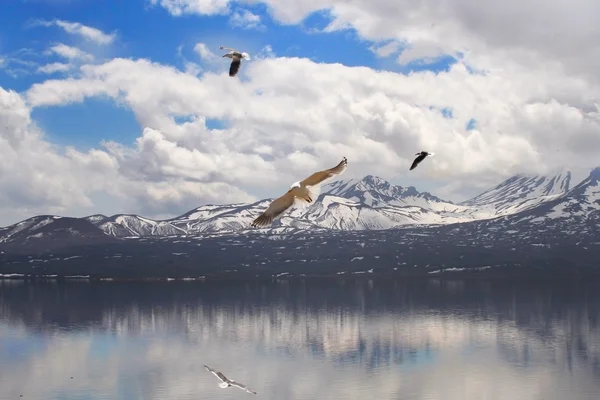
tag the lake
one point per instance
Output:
(313, 339)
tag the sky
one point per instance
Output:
(127, 107)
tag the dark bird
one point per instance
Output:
(236, 59)
(300, 194)
(226, 382)
(421, 157)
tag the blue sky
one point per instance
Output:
(144, 31)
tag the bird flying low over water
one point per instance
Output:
(236, 59)
(421, 157)
(300, 193)
(226, 382)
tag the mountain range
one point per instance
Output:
(522, 209)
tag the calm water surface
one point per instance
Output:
(362, 340)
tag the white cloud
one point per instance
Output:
(320, 112)
(204, 52)
(75, 28)
(202, 7)
(54, 67)
(32, 173)
(70, 52)
(564, 31)
(265, 52)
(385, 50)
(36, 177)
(535, 105)
(246, 19)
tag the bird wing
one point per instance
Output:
(417, 161)
(275, 209)
(235, 66)
(241, 386)
(218, 374)
(318, 178)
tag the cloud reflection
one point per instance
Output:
(296, 340)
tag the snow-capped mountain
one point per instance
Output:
(580, 204)
(337, 235)
(376, 192)
(370, 203)
(219, 218)
(51, 230)
(123, 225)
(519, 193)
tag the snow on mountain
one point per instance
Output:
(123, 225)
(26, 227)
(365, 204)
(377, 192)
(333, 212)
(219, 218)
(50, 230)
(583, 201)
(368, 203)
(94, 219)
(519, 193)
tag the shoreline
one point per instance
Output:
(522, 276)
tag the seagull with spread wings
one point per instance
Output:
(236, 59)
(300, 193)
(421, 157)
(226, 382)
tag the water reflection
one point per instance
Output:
(328, 339)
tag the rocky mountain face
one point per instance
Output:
(521, 192)
(524, 221)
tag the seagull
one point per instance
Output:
(236, 59)
(225, 382)
(300, 193)
(421, 157)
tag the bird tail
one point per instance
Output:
(262, 221)
(306, 195)
(314, 192)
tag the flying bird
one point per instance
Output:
(236, 59)
(421, 157)
(300, 193)
(226, 382)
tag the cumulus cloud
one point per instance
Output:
(556, 31)
(32, 173)
(378, 120)
(75, 28)
(37, 177)
(534, 104)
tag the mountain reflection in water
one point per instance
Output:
(321, 339)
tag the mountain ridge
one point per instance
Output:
(370, 203)
(555, 239)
